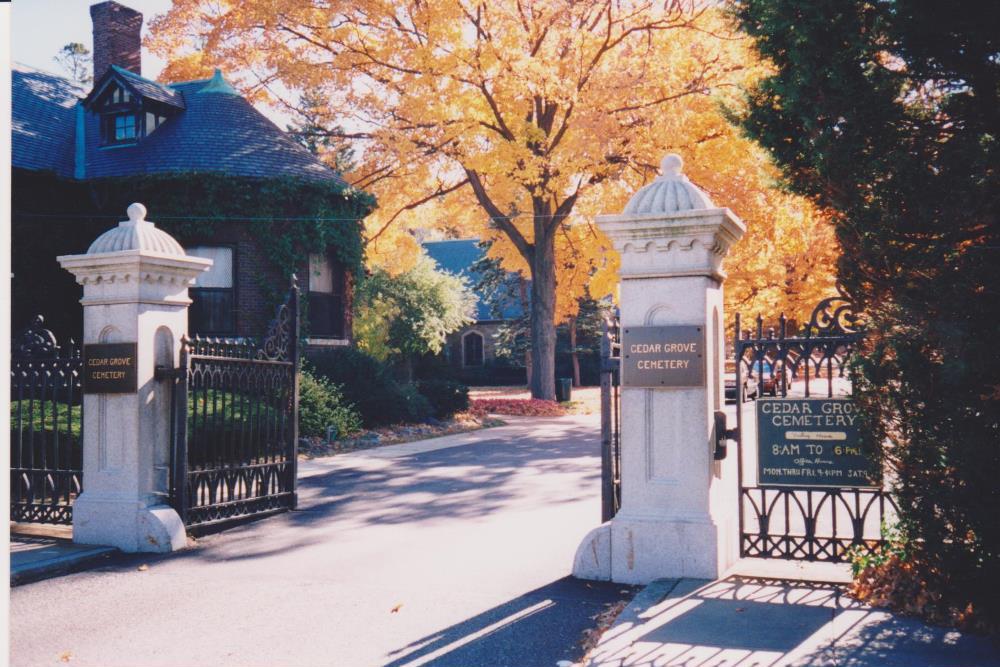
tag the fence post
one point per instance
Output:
(135, 281)
(294, 357)
(607, 471)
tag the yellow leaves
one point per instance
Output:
(542, 101)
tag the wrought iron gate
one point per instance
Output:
(46, 427)
(611, 481)
(803, 522)
(235, 432)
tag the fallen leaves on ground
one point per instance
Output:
(462, 422)
(604, 620)
(516, 407)
(902, 585)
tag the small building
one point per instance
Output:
(210, 168)
(472, 351)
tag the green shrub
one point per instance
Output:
(413, 406)
(322, 404)
(369, 385)
(446, 397)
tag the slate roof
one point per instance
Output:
(43, 120)
(214, 132)
(458, 256)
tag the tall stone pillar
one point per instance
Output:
(679, 510)
(135, 281)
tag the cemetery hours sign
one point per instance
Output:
(109, 368)
(670, 356)
(811, 442)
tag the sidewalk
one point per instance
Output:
(40, 552)
(763, 622)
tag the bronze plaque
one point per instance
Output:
(109, 368)
(672, 356)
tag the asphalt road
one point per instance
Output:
(458, 556)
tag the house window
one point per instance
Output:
(124, 126)
(213, 307)
(326, 297)
(472, 349)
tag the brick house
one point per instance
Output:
(211, 169)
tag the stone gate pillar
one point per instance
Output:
(679, 507)
(135, 281)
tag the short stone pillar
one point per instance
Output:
(679, 509)
(135, 281)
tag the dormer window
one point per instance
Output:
(131, 107)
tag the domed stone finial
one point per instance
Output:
(136, 233)
(671, 165)
(136, 213)
(671, 192)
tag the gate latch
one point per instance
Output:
(722, 435)
(163, 373)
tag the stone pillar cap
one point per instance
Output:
(136, 233)
(671, 192)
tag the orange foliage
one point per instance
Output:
(546, 102)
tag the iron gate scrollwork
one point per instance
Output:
(235, 428)
(46, 426)
(804, 522)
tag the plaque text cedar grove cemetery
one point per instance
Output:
(669, 356)
(109, 368)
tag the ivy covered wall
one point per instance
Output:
(286, 219)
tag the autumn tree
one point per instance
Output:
(514, 121)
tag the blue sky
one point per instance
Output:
(39, 28)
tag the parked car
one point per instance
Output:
(773, 381)
(749, 390)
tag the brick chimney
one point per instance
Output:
(117, 39)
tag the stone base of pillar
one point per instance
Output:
(129, 525)
(638, 550)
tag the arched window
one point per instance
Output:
(472, 349)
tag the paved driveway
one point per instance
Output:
(457, 556)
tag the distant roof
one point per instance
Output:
(217, 131)
(43, 119)
(457, 256)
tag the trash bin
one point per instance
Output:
(564, 389)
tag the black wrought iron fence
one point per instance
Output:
(802, 521)
(46, 427)
(235, 424)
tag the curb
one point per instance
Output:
(57, 565)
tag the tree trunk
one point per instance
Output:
(573, 354)
(543, 308)
(525, 305)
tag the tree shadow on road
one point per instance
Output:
(463, 482)
(539, 628)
